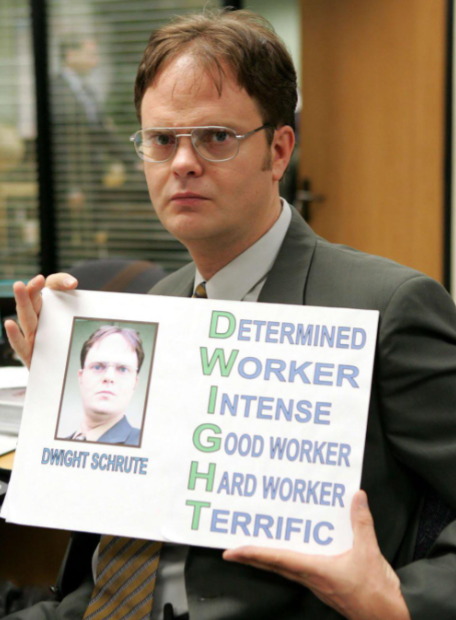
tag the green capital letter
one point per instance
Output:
(212, 399)
(197, 511)
(218, 356)
(194, 474)
(212, 443)
(213, 333)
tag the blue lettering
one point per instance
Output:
(244, 326)
(316, 533)
(349, 373)
(258, 367)
(272, 330)
(343, 334)
(287, 332)
(320, 411)
(358, 331)
(320, 372)
(217, 519)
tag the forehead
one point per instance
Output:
(185, 93)
(110, 348)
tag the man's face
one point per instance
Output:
(84, 58)
(109, 378)
(201, 202)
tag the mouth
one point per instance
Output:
(187, 197)
(105, 393)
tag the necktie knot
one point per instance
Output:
(200, 291)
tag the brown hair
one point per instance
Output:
(242, 40)
(130, 335)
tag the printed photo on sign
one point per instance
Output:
(107, 377)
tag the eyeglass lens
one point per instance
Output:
(100, 368)
(213, 143)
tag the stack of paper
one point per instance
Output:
(13, 381)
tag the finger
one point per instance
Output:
(300, 577)
(275, 559)
(18, 342)
(34, 288)
(26, 314)
(61, 282)
(362, 521)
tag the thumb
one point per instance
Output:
(362, 521)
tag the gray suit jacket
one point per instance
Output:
(121, 433)
(410, 444)
(411, 435)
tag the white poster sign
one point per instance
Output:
(195, 421)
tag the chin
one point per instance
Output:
(106, 413)
(189, 229)
(188, 222)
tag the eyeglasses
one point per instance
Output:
(158, 144)
(100, 368)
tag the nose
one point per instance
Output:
(110, 373)
(185, 161)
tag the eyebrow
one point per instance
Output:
(206, 124)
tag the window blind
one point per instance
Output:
(19, 223)
(102, 205)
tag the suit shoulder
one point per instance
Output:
(133, 436)
(356, 279)
(175, 282)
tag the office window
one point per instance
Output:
(102, 205)
(19, 220)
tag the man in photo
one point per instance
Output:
(110, 362)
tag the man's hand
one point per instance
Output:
(28, 307)
(359, 584)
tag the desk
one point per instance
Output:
(30, 555)
(7, 460)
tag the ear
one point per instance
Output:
(281, 150)
(80, 375)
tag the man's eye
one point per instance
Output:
(161, 139)
(97, 366)
(123, 370)
(217, 137)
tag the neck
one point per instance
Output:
(211, 255)
(93, 420)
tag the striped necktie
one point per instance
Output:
(126, 574)
(200, 291)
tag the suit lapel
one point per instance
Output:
(117, 433)
(287, 279)
(178, 284)
(184, 288)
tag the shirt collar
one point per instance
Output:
(72, 78)
(95, 433)
(235, 280)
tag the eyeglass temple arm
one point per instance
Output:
(246, 135)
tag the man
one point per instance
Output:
(111, 359)
(217, 191)
(90, 160)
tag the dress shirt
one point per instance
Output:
(241, 280)
(244, 277)
(82, 94)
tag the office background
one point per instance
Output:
(374, 162)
